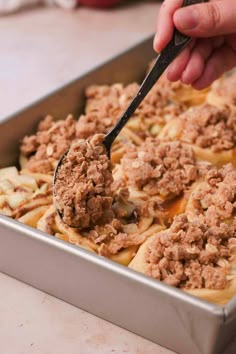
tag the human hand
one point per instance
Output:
(212, 52)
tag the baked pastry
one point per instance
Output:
(198, 252)
(158, 175)
(215, 196)
(223, 91)
(117, 241)
(197, 257)
(208, 130)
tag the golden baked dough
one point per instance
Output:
(220, 297)
(223, 92)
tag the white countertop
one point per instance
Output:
(40, 50)
(44, 48)
(33, 322)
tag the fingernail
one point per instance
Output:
(186, 19)
(156, 43)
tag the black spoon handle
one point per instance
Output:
(178, 42)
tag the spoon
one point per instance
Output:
(178, 42)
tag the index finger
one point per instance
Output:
(165, 24)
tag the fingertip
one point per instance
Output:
(178, 66)
(200, 84)
(192, 71)
(205, 80)
(197, 61)
(157, 45)
(217, 64)
(161, 39)
(172, 74)
(185, 78)
(165, 25)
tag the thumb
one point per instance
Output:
(207, 20)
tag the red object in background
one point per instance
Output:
(99, 3)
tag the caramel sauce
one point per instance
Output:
(234, 157)
(173, 207)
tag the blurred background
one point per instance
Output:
(46, 43)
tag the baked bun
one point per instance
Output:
(208, 130)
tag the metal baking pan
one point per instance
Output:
(149, 308)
